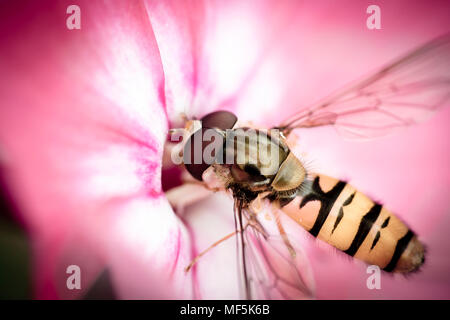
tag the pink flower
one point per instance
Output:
(84, 116)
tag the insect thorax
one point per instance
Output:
(256, 161)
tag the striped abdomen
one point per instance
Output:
(337, 213)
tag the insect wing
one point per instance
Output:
(269, 269)
(403, 93)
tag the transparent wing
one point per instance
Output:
(269, 269)
(403, 93)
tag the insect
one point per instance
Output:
(258, 168)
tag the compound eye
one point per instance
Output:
(219, 119)
(252, 170)
(201, 150)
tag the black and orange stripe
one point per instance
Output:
(333, 211)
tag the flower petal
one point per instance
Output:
(211, 50)
(265, 59)
(82, 128)
(267, 55)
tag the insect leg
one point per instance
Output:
(284, 236)
(195, 260)
(240, 244)
(276, 214)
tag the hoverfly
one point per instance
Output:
(401, 94)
